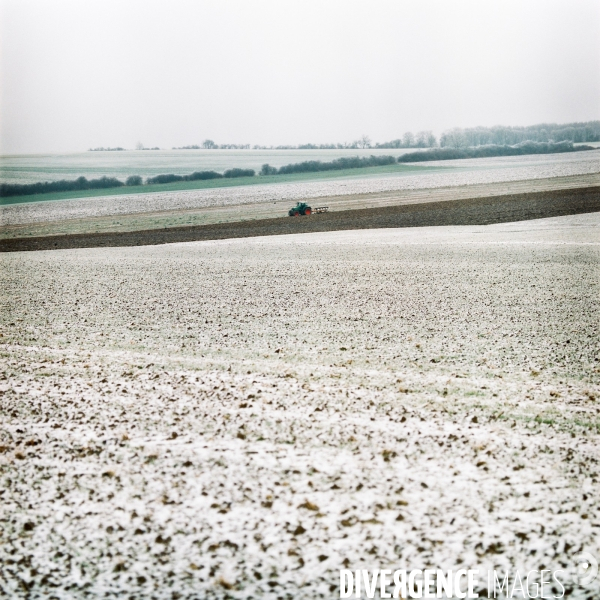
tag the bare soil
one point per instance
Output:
(242, 418)
(464, 211)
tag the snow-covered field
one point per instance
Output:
(475, 171)
(243, 418)
(29, 168)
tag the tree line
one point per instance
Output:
(313, 166)
(423, 139)
(210, 145)
(102, 149)
(310, 166)
(490, 150)
(81, 183)
(499, 135)
(201, 175)
(510, 136)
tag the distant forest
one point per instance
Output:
(509, 136)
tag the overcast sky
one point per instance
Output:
(78, 74)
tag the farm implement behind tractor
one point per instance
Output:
(304, 209)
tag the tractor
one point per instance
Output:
(300, 209)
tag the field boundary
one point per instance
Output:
(470, 211)
(223, 183)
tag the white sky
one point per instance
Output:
(77, 74)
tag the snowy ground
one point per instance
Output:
(243, 418)
(477, 171)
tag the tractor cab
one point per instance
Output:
(300, 209)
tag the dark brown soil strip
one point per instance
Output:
(476, 211)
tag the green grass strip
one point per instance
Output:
(178, 186)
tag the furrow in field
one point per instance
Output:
(561, 166)
(243, 418)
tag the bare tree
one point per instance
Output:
(364, 142)
(425, 139)
(408, 140)
(139, 146)
(209, 144)
(455, 139)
